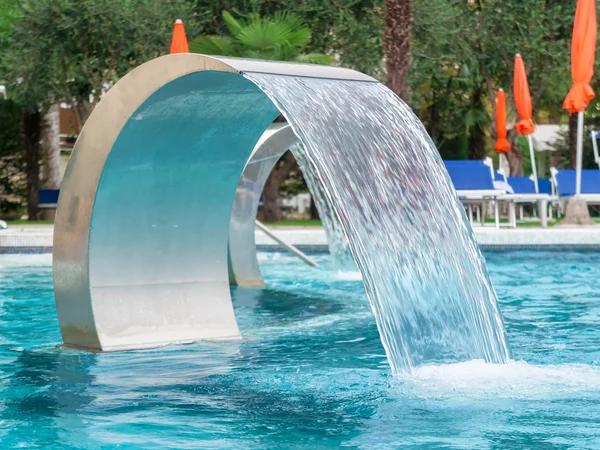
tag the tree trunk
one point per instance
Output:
(271, 207)
(477, 144)
(32, 126)
(577, 213)
(515, 161)
(572, 141)
(514, 156)
(396, 45)
(51, 148)
(83, 110)
(476, 149)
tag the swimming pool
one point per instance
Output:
(311, 372)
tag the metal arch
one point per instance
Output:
(120, 280)
(243, 266)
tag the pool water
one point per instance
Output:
(311, 372)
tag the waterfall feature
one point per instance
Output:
(424, 275)
(142, 229)
(337, 241)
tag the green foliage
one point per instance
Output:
(282, 38)
(69, 50)
(12, 178)
(523, 145)
(9, 15)
(464, 52)
(351, 30)
(294, 184)
(562, 151)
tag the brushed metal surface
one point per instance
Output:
(143, 219)
(243, 265)
(294, 69)
(121, 281)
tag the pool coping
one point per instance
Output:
(38, 239)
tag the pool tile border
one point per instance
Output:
(12, 250)
(28, 240)
(29, 250)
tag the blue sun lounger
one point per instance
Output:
(48, 198)
(501, 182)
(474, 184)
(564, 183)
(524, 192)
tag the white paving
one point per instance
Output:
(538, 236)
(41, 236)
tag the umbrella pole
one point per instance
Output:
(533, 168)
(595, 146)
(579, 154)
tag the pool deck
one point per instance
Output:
(38, 238)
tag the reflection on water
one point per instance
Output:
(48, 390)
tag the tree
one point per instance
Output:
(13, 186)
(396, 45)
(51, 148)
(282, 37)
(484, 35)
(538, 30)
(87, 45)
(32, 126)
(351, 30)
(12, 14)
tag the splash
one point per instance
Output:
(516, 379)
(426, 280)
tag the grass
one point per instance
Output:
(314, 223)
(27, 222)
(317, 223)
(295, 223)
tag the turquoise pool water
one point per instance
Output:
(312, 372)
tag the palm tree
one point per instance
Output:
(396, 45)
(469, 83)
(283, 38)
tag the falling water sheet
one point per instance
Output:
(424, 275)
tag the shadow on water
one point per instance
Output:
(46, 387)
(277, 305)
(296, 329)
(288, 406)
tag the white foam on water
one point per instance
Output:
(516, 379)
(348, 276)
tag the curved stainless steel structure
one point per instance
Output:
(243, 265)
(141, 233)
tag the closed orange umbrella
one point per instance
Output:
(179, 43)
(523, 103)
(502, 145)
(583, 52)
(522, 98)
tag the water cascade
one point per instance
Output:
(141, 237)
(426, 280)
(336, 236)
